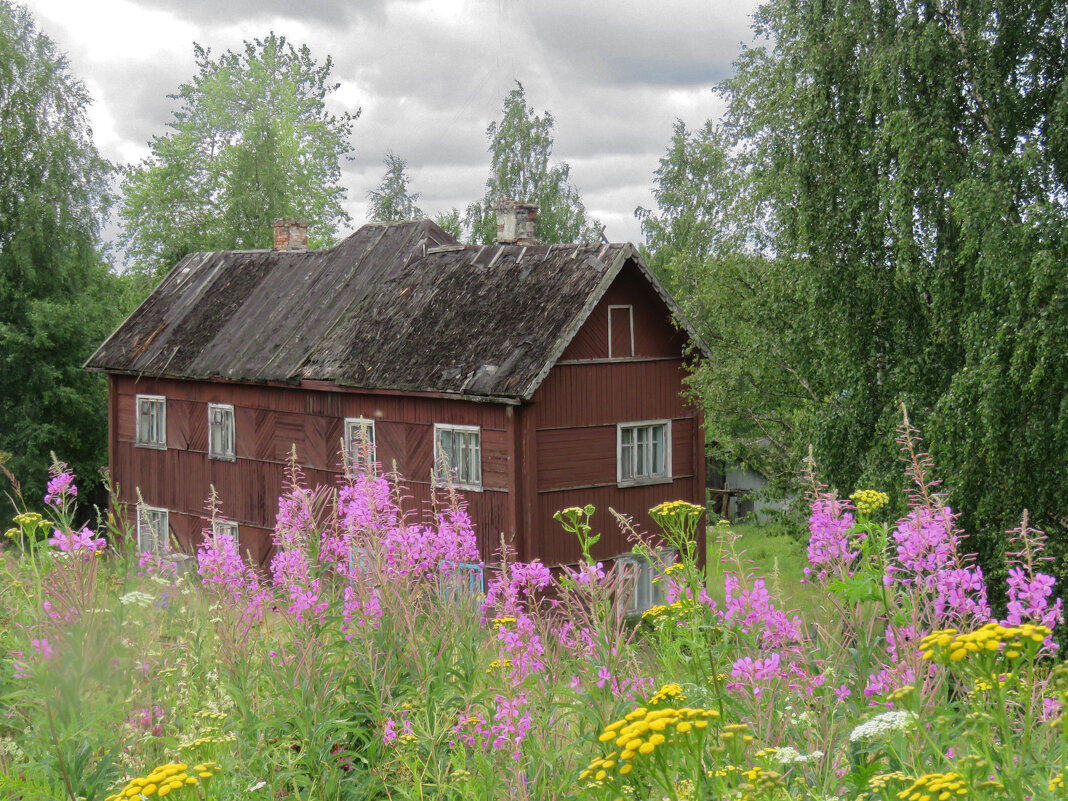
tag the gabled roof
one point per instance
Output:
(398, 306)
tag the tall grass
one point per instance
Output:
(357, 667)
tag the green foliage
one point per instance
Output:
(57, 299)
(392, 201)
(251, 142)
(897, 171)
(521, 144)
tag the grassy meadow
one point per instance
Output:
(861, 661)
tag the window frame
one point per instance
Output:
(139, 440)
(222, 525)
(646, 478)
(165, 535)
(352, 457)
(630, 312)
(645, 591)
(212, 453)
(454, 479)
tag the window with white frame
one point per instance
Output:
(645, 586)
(643, 452)
(458, 456)
(153, 530)
(360, 443)
(220, 431)
(227, 527)
(152, 421)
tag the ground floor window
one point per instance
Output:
(644, 587)
(360, 444)
(153, 530)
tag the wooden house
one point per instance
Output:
(545, 376)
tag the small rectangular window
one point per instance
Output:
(153, 530)
(458, 456)
(643, 452)
(360, 444)
(221, 431)
(620, 332)
(152, 421)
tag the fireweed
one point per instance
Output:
(357, 665)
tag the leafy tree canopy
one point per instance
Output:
(392, 201)
(57, 299)
(900, 173)
(251, 141)
(521, 145)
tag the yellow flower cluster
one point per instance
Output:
(901, 693)
(1012, 641)
(676, 509)
(867, 501)
(499, 664)
(1056, 782)
(499, 623)
(219, 738)
(880, 780)
(672, 569)
(208, 714)
(668, 691)
(661, 612)
(931, 786)
(164, 780)
(640, 733)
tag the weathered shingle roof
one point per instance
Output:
(396, 306)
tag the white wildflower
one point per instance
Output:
(137, 598)
(787, 755)
(883, 724)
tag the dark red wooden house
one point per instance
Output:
(546, 376)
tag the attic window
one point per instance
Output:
(153, 530)
(620, 332)
(152, 421)
(458, 456)
(360, 444)
(643, 453)
(221, 431)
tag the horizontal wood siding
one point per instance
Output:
(269, 423)
(654, 333)
(575, 413)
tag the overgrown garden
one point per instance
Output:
(361, 663)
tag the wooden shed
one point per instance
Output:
(545, 376)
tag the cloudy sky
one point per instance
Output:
(430, 75)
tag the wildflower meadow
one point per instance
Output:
(361, 663)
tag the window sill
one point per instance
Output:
(151, 446)
(217, 458)
(644, 482)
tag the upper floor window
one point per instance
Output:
(152, 421)
(620, 332)
(221, 431)
(153, 530)
(458, 455)
(643, 452)
(360, 443)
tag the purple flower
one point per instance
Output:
(60, 486)
(43, 647)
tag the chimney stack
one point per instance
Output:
(290, 234)
(517, 223)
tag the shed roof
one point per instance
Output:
(397, 306)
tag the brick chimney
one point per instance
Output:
(290, 234)
(517, 223)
